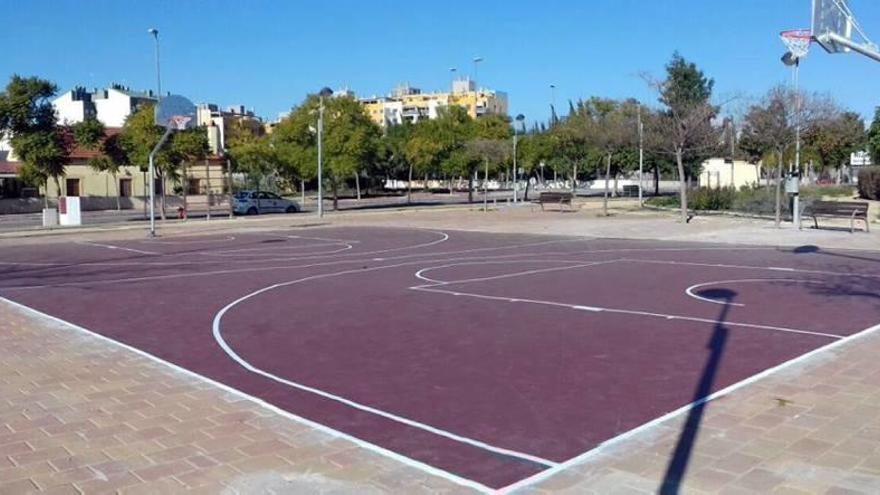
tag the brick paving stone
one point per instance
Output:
(53, 380)
(82, 416)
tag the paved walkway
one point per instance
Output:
(82, 415)
(78, 414)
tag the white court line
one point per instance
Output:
(164, 240)
(690, 290)
(110, 246)
(624, 311)
(752, 267)
(608, 444)
(628, 312)
(265, 268)
(454, 478)
(218, 336)
(247, 251)
(571, 264)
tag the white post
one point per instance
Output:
(152, 173)
(641, 155)
(515, 170)
(320, 159)
(795, 215)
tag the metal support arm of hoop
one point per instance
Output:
(866, 50)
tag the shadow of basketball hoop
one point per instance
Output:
(677, 468)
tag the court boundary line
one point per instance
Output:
(366, 445)
(435, 287)
(244, 363)
(612, 442)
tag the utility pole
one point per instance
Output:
(641, 154)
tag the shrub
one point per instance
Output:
(707, 198)
(869, 183)
(758, 201)
(664, 201)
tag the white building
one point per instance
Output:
(111, 105)
(219, 121)
(721, 172)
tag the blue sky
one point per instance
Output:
(269, 54)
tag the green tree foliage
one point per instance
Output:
(873, 137)
(351, 140)
(833, 140)
(28, 119)
(138, 137)
(684, 127)
(91, 134)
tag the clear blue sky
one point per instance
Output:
(269, 54)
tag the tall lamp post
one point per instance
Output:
(324, 93)
(519, 122)
(477, 60)
(151, 168)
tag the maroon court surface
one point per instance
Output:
(490, 357)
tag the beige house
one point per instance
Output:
(130, 183)
(721, 172)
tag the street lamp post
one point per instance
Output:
(519, 120)
(477, 60)
(641, 155)
(151, 167)
(325, 92)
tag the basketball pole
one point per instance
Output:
(152, 173)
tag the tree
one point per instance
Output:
(770, 127)
(873, 138)
(609, 128)
(437, 145)
(91, 134)
(28, 119)
(138, 137)
(350, 138)
(188, 146)
(684, 127)
(835, 138)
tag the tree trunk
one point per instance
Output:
(605, 195)
(574, 178)
(657, 179)
(335, 185)
(357, 185)
(614, 189)
(57, 187)
(682, 185)
(208, 187)
(471, 187)
(185, 181)
(162, 195)
(486, 185)
(409, 185)
(118, 203)
(526, 193)
(46, 193)
(779, 191)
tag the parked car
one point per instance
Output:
(257, 202)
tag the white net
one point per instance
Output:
(797, 41)
(179, 122)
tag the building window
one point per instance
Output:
(125, 188)
(193, 186)
(72, 186)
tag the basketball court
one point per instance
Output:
(493, 360)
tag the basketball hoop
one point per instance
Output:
(179, 122)
(797, 41)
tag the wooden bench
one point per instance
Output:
(853, 210)
(630, 191)
(556, 198)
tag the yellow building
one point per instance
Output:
(407, 103)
